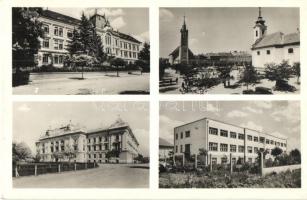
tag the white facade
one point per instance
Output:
(220, 139)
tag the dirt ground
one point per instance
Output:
(105, 176)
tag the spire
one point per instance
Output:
(95, 11)
(184, 27)
(260, 20)
(259, 12)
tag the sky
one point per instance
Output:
(281, 118)
(221, 29)
(32, 119)
(133, 21)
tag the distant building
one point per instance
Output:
(165, 148)
(182, 54)
(59, 28)
(89, 146)
(275, 47)
(220, 139)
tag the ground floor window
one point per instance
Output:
(214, 161)
(233, 160)
(45, 58)
(224, 160)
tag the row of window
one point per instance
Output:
(187, 148)
(187, 135)
(57, 31)
(268, 52)
(234, 135)
(57, 59)
(57, 44)
(121, 44)
(98, 147)
(213, 146)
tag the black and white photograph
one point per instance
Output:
(230, 144)
(89, 145)
(218, 50)
(80, 51)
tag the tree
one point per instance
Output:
(296, 155)
(249, 75)
(279, 73)
(224, 74)
(112, 153)
(145, 53)
(276, 152)
(21, 151)
(297, 71)
(117, 62)
(139, 158)
(96, 48)
(203, 152)
(82, 60)
(85, 31)
(74, 45)
(37, 157)
(26, 31)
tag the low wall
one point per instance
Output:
(279, 169)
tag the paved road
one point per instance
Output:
(106, 176)
(94, 83)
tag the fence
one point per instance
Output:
(35, 169)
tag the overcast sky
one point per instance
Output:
(221, 29)
(277, 117)
(32, 119)
(133, 21)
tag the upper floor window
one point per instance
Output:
(181, 135)
(213, 131)
(46, 29)
(241, 149)
(241, 136)
(224, 147)
(56, 30)
(108, 39)
(187, 148)
(69, 34)
(213, 146)
(268, 52)
(176, 136)
(256, 139)
(224, 133)
(250, 149)
(46, 43)
(258, 53)
(233, 135)
(187, 134)
(250, 138)
(58, 44)
(233, 148)
(290, 50)
(262, 139)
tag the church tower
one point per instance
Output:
(184, 47)
(259, 28)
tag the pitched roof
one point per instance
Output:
(124, 36)
(175, 53)
(278, 39)
(164, 143)
(119, 123)
(59, 17)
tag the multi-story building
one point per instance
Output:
(89, 146)
(59, 28)
(221, 139)
(275, 47)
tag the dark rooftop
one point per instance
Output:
(60, 17)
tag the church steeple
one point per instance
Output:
(260, 27)
(184, 48)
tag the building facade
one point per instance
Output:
(221, 139)
(275, 47)
(89, 146)
(59, 28)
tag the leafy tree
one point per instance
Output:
(117, 62)
(21, 151)
(296, 155)
(249, 75)
(37, 157)
(224, 74)
(279, 73)
(82, 60)
(297, 71)
(26, 31)
(204, 152)
(276, 152)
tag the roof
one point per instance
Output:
(175, 53)
(164, 143)
(63, 130)
(119, 123)
(277, 39)
(124, 36)
(59, 17)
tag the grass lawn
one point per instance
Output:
(236, 180)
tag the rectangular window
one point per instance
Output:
(46, 29)
(241, 136)
(258, 53)
(176, 149)
(214, 161)
(233, 148)
(46, 43)
(233, 135)
(241, 149)
(56, 31)
(267, 141)
(187, 148)
(250, 138)
(61, 32)
(255, 149)
(250, 149)
(45, 58)
(262, 139)
(224, 160)
(61, 59)
(181, 135)
(213, 131)
(176, 136)
(187, 134)
(224, 133)
(268, 52)
(223, 147)
(213, 146)
(272, 142)
(181, 149)
(290, 50)
(256, 139)
(69, 34)
(56, 59)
